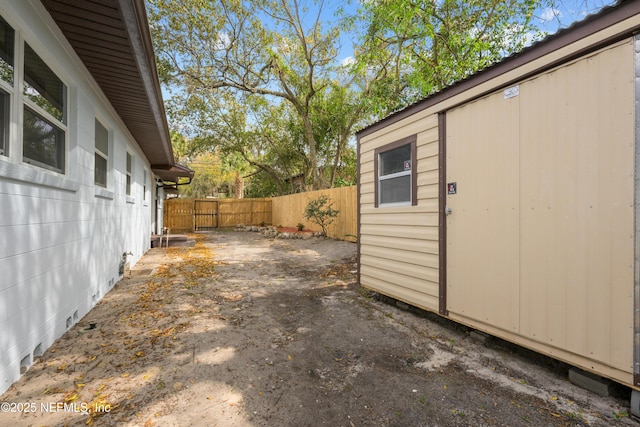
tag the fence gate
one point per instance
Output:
(205, 215)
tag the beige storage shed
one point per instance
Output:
(509, 201)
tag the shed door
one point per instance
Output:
(540, 239)
(482, 166)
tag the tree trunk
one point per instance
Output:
(239, 186)
(313, 154)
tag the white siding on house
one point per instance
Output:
(61, 236)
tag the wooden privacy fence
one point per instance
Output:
(289, 211)
(185, 215)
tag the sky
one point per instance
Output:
(568, 11)
(548, 19)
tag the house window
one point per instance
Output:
(395, 171)
(4, 122)
(144, 187)
(101, 154)
(129, 167)
(7, 42)
(44, 116)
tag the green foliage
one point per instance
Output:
(260, 88)
(619, 415)
(422, 47)
(211, 179)
(320, 211)
(260, 82)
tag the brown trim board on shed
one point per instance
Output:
(636, 279)
(442, 217)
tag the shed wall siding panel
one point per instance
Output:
(577, 207)
(540, 242)
(399, 255)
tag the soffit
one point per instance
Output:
(112, 39)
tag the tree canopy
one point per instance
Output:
(260, 83)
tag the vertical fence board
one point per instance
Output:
(288, 211)
(178, 215)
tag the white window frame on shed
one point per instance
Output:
(386, 175)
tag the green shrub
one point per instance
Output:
(320, 211)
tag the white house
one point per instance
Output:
(84, 155)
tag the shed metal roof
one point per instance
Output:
(592, 24)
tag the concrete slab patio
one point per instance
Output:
(242, 330)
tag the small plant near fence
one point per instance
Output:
(320, 211)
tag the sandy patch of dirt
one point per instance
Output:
(242, 330)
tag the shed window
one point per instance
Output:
(395, 172)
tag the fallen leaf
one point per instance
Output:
(71, 398)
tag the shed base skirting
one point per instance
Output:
(588, 365)
(584, 363)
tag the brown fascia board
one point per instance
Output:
(608, 16)
(174, 173)
(137, 24)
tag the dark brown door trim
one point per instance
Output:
(442, 218)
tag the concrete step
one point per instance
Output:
(172, 239)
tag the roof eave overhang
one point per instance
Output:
(113, 40)
(174, 173)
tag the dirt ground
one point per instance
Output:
(244, 330)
